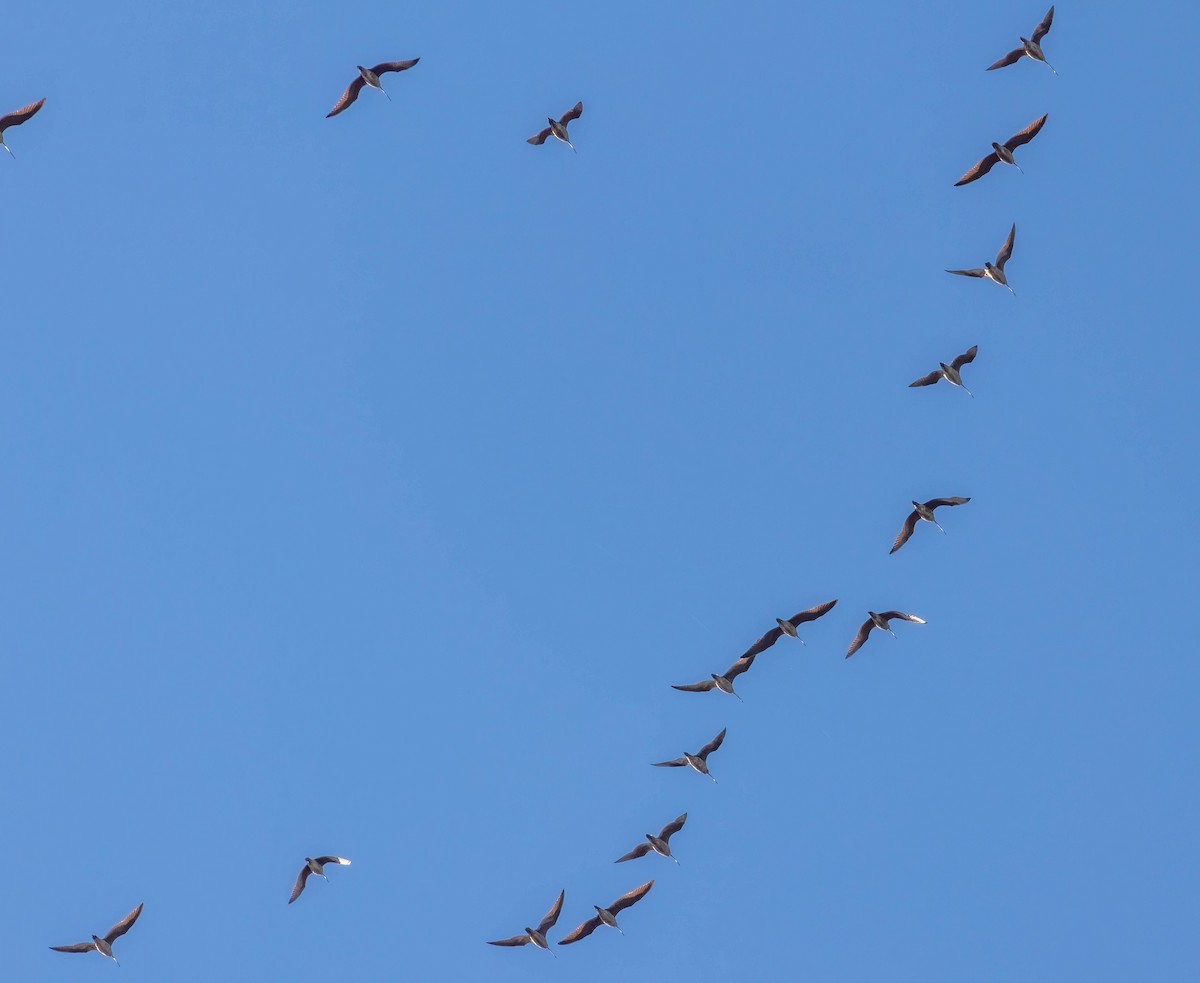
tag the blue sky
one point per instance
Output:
(368, 482)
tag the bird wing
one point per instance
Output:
(963, 359)
(539, 138)
(763, 643)
(892, 615)
(935, 503)
(903, 536)
(1011, 58)
(927, 380)
(573, 113)
(515, 940)
(813, 613)
(581, 931)
(711, 746)
(673, 827)
(77, 947)
(979, 170)
(299, 884)
(861, 637)
(1043, 28)
(16, 118)
(632, 898)
(677, 763)
(123, 926)
(394, 66)
(702, 687)
(976, 272)
(547, 923)
(638, 851)
(739, 667)
(1005, 253)
(348, 97)
(333, 860)
(1027, 134)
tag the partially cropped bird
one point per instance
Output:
(697, 761)
(880, 621)
(103, 945)
(369, 76)
(659, 844)
(558, 127)
(537, 936)
(923, 511)
(949, 372)
(607, 916)
(995, 271)
(314, 865)
(1003, 152)
(16, 118)
(788, 627)
(1030, 47)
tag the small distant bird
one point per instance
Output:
(1030, 47)
(1003, 152)
(788, 628)
(538, 935)
(723, 683)
(104, 945)
(697, 761)
(949, 372)
(314, 866)
(558, 127)
(607, 916)
(995, 273)
(922, 510)
(369, 76)
(658, 843)
(16, 118)
(880, 621)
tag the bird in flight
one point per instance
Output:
(1003, 152)
(314, 866)
(1030, 47)
(558, 127)
(880, 621)
(658, 843)
(607, 916)
(369, 76)
(724, 683)
(104, 945)
(538, 935)
(697, 761)
(949, 372)
(995, 272)
(16, 118)
(922, 511)
(788, 628)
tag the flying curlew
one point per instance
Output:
(1003, 152)
(949, 372)
(880, 621)
(558, 127)
(922, 510)
(104, 945)
(697, 761)
(658, 843)
(538, 935)
(995, 272)
(1030, 47)
(16, 118)
(607, 916)
(369, 76)
(788, 628)
(314, 866)
(723, 683)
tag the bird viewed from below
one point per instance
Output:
(995, 272)
(607, 916)
(104, 945)
(949, 372)
(923, 511)
(697, 761)
(880, 621)
(788, 628)
(369, 76)
(1003, 152)
(658, 843)
(16, 118)
(314, 866)
(724, 683)
(537, 936)
(1030, 47)
(558, 127)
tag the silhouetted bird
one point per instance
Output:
(788, 628)
(607, 916)
(1003, 152)
(369, 76)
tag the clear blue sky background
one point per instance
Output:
(368, 481)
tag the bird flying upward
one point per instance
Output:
(558, 127)
(103, 945)
(369, 76)
(1003, 152)
(995, 271)
(1030, 47)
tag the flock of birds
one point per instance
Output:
(724, 682)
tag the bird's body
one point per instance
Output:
(698, 761)
(369, 76)
(314, 865)
(537, 936)
(658, 844)
(1003, 152)
(103, 945)
(995, 271)
(1031, 46)
(16, 118)
(788, 627)
(558, 127)
(607, 916)
(880, 621)
(922, 511)
(949, 372)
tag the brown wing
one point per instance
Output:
(813, 613)
(348, 97)
(1011, 58)
(967, 272)
(677, 763)
(581, 931)
(394, 66)
(900, 615)
(936, 503)
(703, 687)
(77, 947)
(1005, 253)
(16, 118)
(632, 898)
(547, 923)
(574, 113)
(963, 359)
(927, 380)
(1027, 134)
(299, 884)
(861, 637)
(333, 860)
(711, 746)
(904, 535)
(764, 643)
(739, 667)
(673, 827)
(515, 940)
(1043, 28)
(979, 170)
(638, 851)
(539, 138)
(123, 926)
